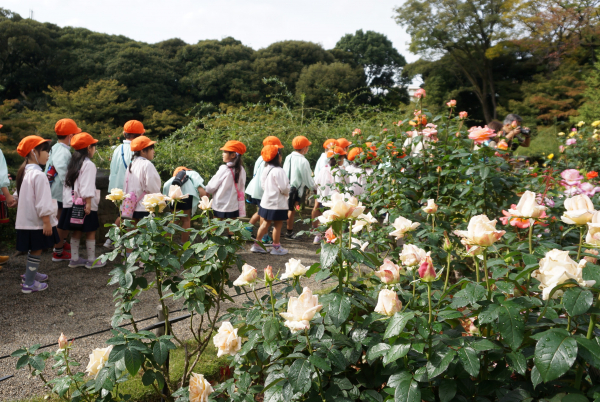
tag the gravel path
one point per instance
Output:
(78, 301)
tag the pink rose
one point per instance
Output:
(571, 177)
(481, 134)
(452, 103)
(426, 270)
(420, 93)
(561, 149)
(571, 141)
(463, 115)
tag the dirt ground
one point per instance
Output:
(78, 301)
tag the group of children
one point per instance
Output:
(56, 193)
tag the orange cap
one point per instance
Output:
(134, 127)
(141, 142)
(344, 143)
(272, 140)
(269, 152)
(82, 140)
(28, 143)
(65, 127)
(354, 152)
(300, 142)
(330, 143)
(179, 169)
(336, 151)
(234, 146)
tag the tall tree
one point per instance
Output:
(465, 30)
(378, 56)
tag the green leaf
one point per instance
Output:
(101, 379)
(469, 360)
(148, 378)
(133, 361)
(270, 329)
(19, 352)
(536, 379)
(329, 253)
(338, 309)
(575, 398)
(371, 395)
(37, 363)
(511, 326)
(396, 324)
(396, 352)
(319, 362)
(555, 353)
(22, 362)
(407, 390)
(337, 358)
(589, 350)
(160, 352)
(447, 390)
(439, 362)
(577, 301)
(517, 361)
(299, 375)
(377, 351)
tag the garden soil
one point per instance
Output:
(78, 302)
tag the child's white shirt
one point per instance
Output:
(276, 188)
(223, 189)
(357, 179)
(321, 162)
(85, 186)
(35, 200)
(142, 179)
(327, 179)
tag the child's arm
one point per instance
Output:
(202, 192)
(88, 205)
(10, 200)
(47, 230)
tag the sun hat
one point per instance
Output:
(336, 151)
(300, 142)
(269, 152)
(234, 146)
(330, 143)
(354, 152)
(28, 143)
(344, 143)
(134, 127)
(272, 140)
(65, 127)
(82, 140)
(179, 169)
(141, 142)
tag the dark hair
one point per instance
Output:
(237, 166)
(496, 126)
(137, 154)
(74, 166)
(275, 162)
(44, 146)
(130, 136)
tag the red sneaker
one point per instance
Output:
(66, 246)
(62, 257)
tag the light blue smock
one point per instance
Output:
(60, 156)
(190, 187)
(254, 188)
(117, 167)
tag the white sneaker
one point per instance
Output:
(317, 239)
(257, 249)
(108, 244)
(279, 251)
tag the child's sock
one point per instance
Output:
(58, 251)
(31, 266)
(90, 247)
(276, 245)
(74, 249)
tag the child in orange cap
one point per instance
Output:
(192, 184)
(79, 192)
(120, 161)
(36, 211)
(357, 176)
(274, 203)
(327, 145)
(345, 145)
(228, 184)
(330, 180)
(297, 168)
(141, 177)
(254, 189)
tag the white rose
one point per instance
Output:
(227, 340)
(116, 195)
(388, 303)
(200, 389)
(528, 206)
(431, 207)
(402, 226)
(556, 268)
(593, 234)
(363, 221)
(294, 268)
(176, 194)
(412, 255)
(156, 202)
(205, 203)
(578, 210)
(98, 359)
(301, 310)
(389, 272)
(480, 232)
(359, 244)
(63, 342)
(248, 276)
(342, 209)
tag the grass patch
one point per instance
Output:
(545, 143)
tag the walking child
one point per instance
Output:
(345, 145)
(192, 184)
(357, 177)
(298, 171)
(79, 192)
(274, 203)
(322, 161)
(120, 161)
(36, 211)
(227, 185)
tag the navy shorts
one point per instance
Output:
(90, 222)
(273, 214)
(33, 240)
(227, 215)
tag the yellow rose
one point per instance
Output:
(596, 123)
(561, 134)
(581, 124)
(116, 195)
(550, 156)
(572, 133)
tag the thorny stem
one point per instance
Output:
(581, 232)
(448, 259)
(413, 285)
(485, 272)
(476, 268)
(531, 235)
(430, 318)
(272, 298)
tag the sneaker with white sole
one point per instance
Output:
(317, 239)
(279, 251)
(64, 256)
(108, 244)
(35, 287)
(79, 263)
(258, 249)
(38, 277)
(95, 264)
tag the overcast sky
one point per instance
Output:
(257, 23)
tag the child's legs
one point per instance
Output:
(90, 245)
(291, 218)
(315, 213)
(186, 222)
(36, 253)
(277, 231)
(31, 266)
(263, 229)
(255, 218)
(61, 233)
(118, 221)
(75, 240)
